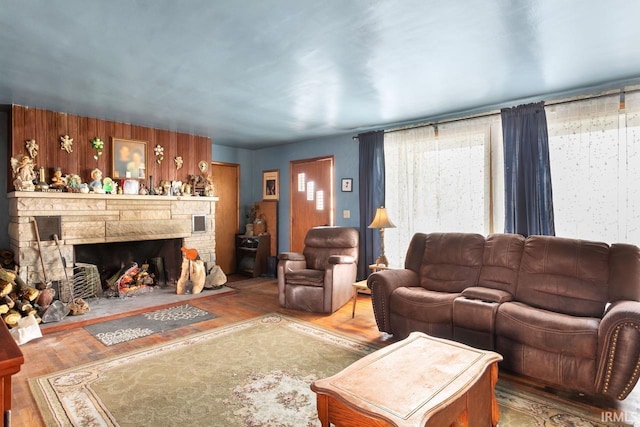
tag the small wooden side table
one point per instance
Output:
(419, 381)
(362, 285)
(358, 286)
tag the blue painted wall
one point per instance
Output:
(252, 162)
(345, 153)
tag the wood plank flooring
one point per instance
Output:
(75, 346)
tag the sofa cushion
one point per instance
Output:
(451, 261)
(421, 304)
(501, 261)
(554, 332)
(305, 277)
(564, 275)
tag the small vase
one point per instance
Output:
(249, 230)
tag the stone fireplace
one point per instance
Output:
(96, 219)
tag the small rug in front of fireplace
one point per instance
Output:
(141, 325)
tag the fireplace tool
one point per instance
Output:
(69, 285)
(47, 283)
(57, 310)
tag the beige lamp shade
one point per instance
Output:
(381, 220)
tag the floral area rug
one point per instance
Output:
(141, 325)
(254, 373)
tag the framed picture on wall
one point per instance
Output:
(347, 184)
(129, 158)
(271, 184)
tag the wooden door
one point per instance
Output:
(311, 186)
(226, 178)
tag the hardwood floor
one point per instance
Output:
(75, 346)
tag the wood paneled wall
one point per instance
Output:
(46, 127)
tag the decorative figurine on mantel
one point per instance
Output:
(57, 180)
(23, 174)
(96, 181)
(32, 148)
(66, 143)
(109, 186)
(208, 187)
(159, 152)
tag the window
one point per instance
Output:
(594, 149)
(320, 200)
(443, 181)
(453, 179)
(310, 190)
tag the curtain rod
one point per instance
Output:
(496, 112)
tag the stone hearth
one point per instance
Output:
(100, 218)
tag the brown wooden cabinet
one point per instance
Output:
(252, 253)
(268, 210)
(10, 361)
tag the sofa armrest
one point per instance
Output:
(487, 294)
(619, 349)
(382, 285)
(288, 261)
(291, 256)
(341, 259)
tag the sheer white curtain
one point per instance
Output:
(595, 168)
(441, 182)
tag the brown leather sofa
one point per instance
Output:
(564, 311)
(320, 278)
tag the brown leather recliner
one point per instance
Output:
(319, 279)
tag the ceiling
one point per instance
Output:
(254, 73)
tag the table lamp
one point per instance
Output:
(381, 221)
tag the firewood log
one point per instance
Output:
(24, 307)
(19, 282)
(8, 301)
(4, 308)
(29, 293)
(19, 303)
(184, 276)
(7, 275)
(11, 318)
(198, 274)
(5, 288)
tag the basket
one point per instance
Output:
(86, 281)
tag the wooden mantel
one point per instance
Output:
(103, 218)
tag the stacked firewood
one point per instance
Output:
(17, 300)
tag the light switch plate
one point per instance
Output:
(346, 214)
